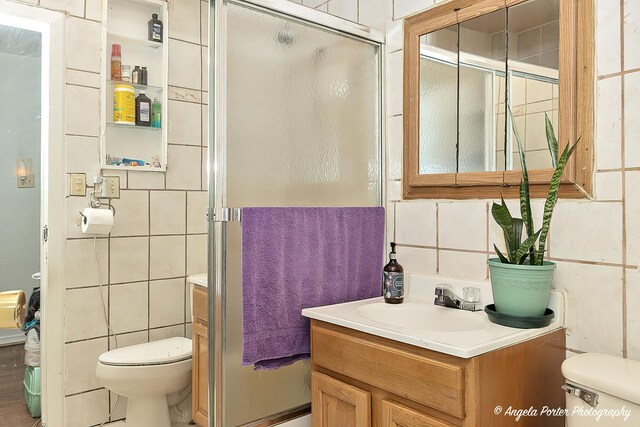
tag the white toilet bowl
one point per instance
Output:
(145, 374)
(602, 391)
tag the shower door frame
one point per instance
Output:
(216, 170)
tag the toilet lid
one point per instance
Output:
(161, 352)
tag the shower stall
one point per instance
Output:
(295, 119)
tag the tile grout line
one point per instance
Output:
(437, 238)
(623, 184)
(149, 266)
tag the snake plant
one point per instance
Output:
(517, 252)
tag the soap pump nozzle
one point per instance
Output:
(392, 254)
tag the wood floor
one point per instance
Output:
(13, 409)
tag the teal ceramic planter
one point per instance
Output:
(521, 290)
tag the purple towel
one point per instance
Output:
(295, 258)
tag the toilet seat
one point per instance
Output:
(161, 352)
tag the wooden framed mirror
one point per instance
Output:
(476, 69)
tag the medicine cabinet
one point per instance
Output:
(128, 146)
(476, 69)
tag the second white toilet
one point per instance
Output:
(602, 390)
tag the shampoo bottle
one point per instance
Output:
(393, 279)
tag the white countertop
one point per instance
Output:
(465, 344)
(199, 279)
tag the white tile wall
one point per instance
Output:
(129, 307)
(167, 256)
(633, 316)
(168, 212)
(73, 7)
(81, 267)
(608, 123)
(166, 302)
(593, 323)
(84, 45)
(463, 225)
(82, 111)
(181, 22)
(129, 259)
(416, 223)
(608, 36)
(587, 231)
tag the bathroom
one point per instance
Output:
(132, 286)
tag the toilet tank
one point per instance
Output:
(602, 391)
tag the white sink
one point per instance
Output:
(417, 321)
(422, 317)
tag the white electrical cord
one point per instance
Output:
(106, 319)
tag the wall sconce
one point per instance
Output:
(24, 173)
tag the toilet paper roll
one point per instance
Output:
(13, 305)
(97, 221)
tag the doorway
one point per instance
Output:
(32, 220)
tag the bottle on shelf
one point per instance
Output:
(143, 74)
(136, 76)
(124, 105)
(126, 73)
(156, 114)
(143, 110)
(393, 279)
(155, 29)
(116, 62)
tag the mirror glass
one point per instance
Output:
(473, 73)
(482, 90)
(438, 114)
(533, 59)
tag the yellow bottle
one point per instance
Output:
(124, 105)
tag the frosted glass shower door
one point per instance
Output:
(301, 127)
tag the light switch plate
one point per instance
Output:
(78, 184)
(111, 187)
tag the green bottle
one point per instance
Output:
(156, 114)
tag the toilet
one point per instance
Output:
(602, 390)
(145, 374)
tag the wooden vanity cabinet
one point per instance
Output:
(362, 380)
(200, 367)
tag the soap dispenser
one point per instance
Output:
(393, 279)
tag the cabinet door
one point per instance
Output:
(334, 403)
(395, 415)
(200, 375)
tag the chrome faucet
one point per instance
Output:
(446, 298)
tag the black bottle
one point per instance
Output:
(143, 76)
(155, 29)
(393, 279)
(143, 110)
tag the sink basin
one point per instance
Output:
(423, 316)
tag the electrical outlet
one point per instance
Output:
(78, 183)
(111, 187)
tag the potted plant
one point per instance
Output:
(521, 278)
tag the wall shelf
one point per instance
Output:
(126, 25)
(134, 127)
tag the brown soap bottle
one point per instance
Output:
(393, 279)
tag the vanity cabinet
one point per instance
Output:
(364, 380)
(200, 367)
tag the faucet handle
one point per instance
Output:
(471, 294)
